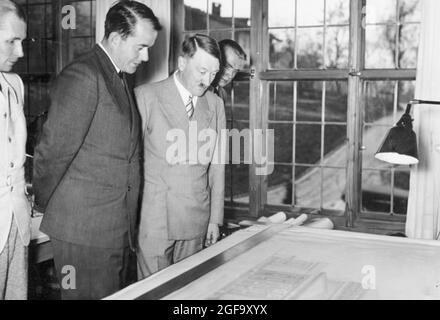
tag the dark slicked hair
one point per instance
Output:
(8, 6)
(228, 43)
(210, 45)
(124, 15)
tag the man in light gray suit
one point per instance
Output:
(183, 196)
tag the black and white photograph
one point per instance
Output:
(221, 155)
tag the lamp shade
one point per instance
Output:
(400, 144)
(399, 147)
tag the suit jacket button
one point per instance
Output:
(129, 188)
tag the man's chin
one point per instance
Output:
(6, 67)
(201, 92)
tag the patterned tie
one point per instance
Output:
(190, 107)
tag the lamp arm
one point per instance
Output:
(417, 101)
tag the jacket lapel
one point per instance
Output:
(123, 97)
(172, 105)
(203, 114)
(114, 84)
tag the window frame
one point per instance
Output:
(355, 74)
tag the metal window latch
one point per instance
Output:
(252, 73)
(355, 73)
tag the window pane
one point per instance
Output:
(240, 151)
(228, 182)
(282, 48)
(335, 152)
(401, 189)
(308, 187)
(310, 12)
(336, 47)
(240, 183)
(376, 191)
(84, 23)
(220, 14)
(408, 40)
(281, 13)
(379, 104)
(406, 93)
(280, 186)
(337, 11)
(241, 100)
(308, 144)
(281, 101)
(381, 11)
(336, 95)
(40, 21)
(333, 189)
(309, 106)
(309, 46)
(380, 47)
(373, 137)
(37, 55)
(243, 38)
(242, 13)
(409, 10)
(283, 142)
(220, 34)
(195, 14)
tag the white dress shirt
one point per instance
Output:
(105, 51)
(184, 93)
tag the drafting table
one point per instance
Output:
(285, 262)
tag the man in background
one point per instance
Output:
(87, 169)
(14, 207)
(182, 205)
(234, 59)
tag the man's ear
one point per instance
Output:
(114, 39)
(181, 63)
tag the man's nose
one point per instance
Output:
(206, 80)
(18, 50)
(145, 55)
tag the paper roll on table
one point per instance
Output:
(298, 221)
(279, 217)
(322, 223)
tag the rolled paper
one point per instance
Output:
(298, 221)
(323, 223)
(279, 217)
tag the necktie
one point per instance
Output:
(190, 107)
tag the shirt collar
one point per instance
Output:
(184, 93)
(108, 55)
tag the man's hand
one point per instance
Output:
(212, 235)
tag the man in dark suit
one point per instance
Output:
(233, 60)
(87, 163)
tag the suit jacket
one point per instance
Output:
(87, 163)
(14, 204)
(183, 195)
(219, 91)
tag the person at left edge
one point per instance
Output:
(14, 207)
(87, 163)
